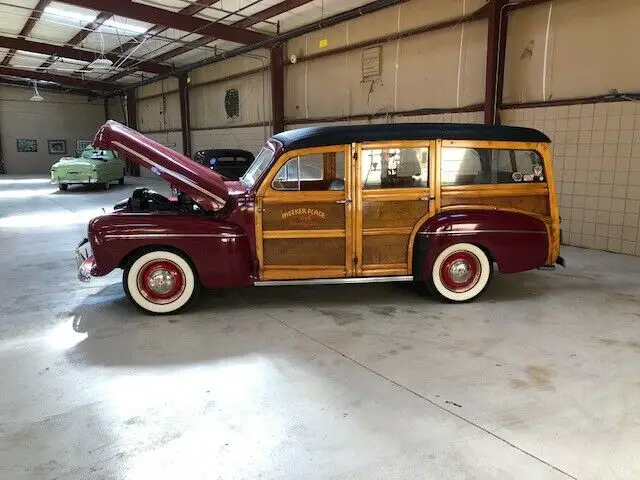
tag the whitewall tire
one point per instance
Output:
(460, 273)
(160, 282)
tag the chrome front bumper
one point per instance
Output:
(84, 260)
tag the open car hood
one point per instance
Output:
(204, 186)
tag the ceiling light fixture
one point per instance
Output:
(100, 64)
(36, 96)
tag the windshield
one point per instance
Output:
(97, 154)
(258, 167)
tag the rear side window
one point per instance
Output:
(482, 166)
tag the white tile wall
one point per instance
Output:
(596, 149)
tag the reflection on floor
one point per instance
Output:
(536, 380)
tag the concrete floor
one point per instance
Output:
(537, 380)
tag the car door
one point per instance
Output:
(304, 216)
(394, 195)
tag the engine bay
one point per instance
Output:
(144, 199)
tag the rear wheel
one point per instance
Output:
(160, 282)
(460, 273)
(63, 187)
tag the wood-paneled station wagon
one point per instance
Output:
(432, 203)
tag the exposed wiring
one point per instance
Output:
(546, 50)
(397, 65)
(464, 12)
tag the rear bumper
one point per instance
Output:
(64, 181)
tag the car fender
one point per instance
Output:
(219, 251)
(516, 241)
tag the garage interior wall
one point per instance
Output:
(562, 49)
(59, 117)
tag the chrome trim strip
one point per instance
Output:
(466, 232)
(173, 235)
(175, 175)
(333, 281)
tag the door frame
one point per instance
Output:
(429, 194)
(266, 195)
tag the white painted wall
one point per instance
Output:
(59, 116)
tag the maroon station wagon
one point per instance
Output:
(433, 203)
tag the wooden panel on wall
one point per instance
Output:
(304, 251)
(391, 214)
(305, 216)
(384, 249)
(534, 204)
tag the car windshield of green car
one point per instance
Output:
(97, 154)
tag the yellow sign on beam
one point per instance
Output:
(323, 43)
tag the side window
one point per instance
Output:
(315, 172)
(395, 168)
(482, 166)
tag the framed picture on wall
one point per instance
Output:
(27, 145)
(81, 145)
(57, 147)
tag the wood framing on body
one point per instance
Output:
(374, 230)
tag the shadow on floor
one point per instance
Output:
(230, 323)
(90, 188)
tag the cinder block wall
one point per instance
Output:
(596, 148)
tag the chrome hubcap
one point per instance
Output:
(161, 281)
(460, 271)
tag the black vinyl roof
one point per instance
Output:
(340, 135)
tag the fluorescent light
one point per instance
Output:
(125, 26)
(100, 64)
(84, 18)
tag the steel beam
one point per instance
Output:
(60, 79)
(25, 83)
(160, 16)
(260, 16)
(277, 88)
(192, 9)
(66, 51)
(494, 73)
(185, 116)
(37, 12)
(132, 122)
(270, 12)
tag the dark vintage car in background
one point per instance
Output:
(435, 204)
(230, 163)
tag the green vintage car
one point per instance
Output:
(93, 166)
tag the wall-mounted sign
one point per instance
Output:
(324, 43)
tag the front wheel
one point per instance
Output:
(63, 187)
(460, 273)
(160, 282)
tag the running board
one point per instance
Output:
(334, 281)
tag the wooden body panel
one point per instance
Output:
(306, 233)
(376, 231)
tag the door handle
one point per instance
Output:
(346, 201)
(426, 199)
